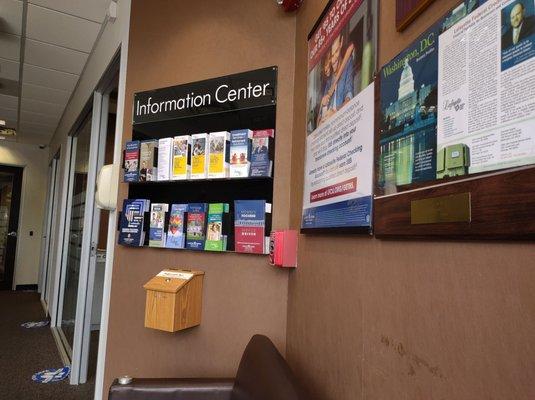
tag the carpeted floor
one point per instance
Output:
(24, 352)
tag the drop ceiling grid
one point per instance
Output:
(59, 37)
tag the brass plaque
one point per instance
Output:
(452, 208)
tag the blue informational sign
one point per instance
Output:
(51, 375)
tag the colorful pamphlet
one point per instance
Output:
(240, 153)
(216, 237)
(199, 154)
(252, 224)
(165, 146)
(131, 161)
(157, 224)
(131, 225)
(262, 153)
(181, 167)
(196, 227)
(219, 155)
(176, 231)
(148, 160)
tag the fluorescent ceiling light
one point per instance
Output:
(8, 132)
(2, 122)
(2, 138)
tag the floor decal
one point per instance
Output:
(34, 324)
(51, 375)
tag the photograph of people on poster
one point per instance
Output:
(340, 117)
(344, 69)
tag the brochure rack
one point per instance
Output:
(235, 112)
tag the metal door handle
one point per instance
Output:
(12, 234)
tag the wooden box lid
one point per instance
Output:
(171, 280)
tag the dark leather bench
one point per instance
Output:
(262, 375)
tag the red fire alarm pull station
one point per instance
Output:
(290, 5)
(283, 249)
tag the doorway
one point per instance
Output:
(79, 292)
(10, 191)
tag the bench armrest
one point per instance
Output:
(173, 389)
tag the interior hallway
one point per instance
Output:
(24, 352)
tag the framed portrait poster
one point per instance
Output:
(338, 180)
(408, 10)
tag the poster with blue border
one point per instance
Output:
(338, 181)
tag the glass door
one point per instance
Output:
(74, 238)
(10, 188)
(79, 253)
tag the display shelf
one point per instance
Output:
(210, 190)
(157, 116)
(198, 251)
(186, 181)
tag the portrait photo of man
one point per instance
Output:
(517, 23)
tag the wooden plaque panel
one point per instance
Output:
(502, 207)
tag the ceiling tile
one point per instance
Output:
(9, 69)
(11, 102)
(8, 139)
(36, 138)
(42, 93)
(9, 87)
(10, 123)
(45, 120)
(54, 57)
(94, 10)
(49, 78)
(8, 114)
(61, 29)
(10, 45)
(36, 129)
(41, 107)
(11, 16)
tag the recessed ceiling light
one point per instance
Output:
(2, 122)
(2, 138)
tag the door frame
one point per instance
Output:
(48, 232)
(88, 255)
(64, 346)
(13, 225)
(77, 356)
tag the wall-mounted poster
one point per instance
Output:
(410, 107)
(408, 10)
(486, 90)
(340, 117)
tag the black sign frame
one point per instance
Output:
(236, 92)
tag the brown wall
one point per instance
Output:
(382, 319)
(171, 43)
(366, 318)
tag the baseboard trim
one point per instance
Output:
(32, 288)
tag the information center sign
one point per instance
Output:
(242, 91)
(338, 178)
